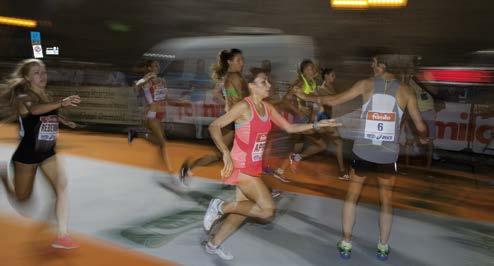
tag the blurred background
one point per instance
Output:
(97, 49)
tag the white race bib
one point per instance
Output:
(380, 127)
(259, 145)
(48, 129)
(159, 94)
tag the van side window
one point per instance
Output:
(175, 69)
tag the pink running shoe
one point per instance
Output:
(65, 242)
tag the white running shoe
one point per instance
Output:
(295, 159)
(279, 174)
(275, 194)
(213, 213)
(210, 249)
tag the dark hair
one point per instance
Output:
(254, 72)
(305, 63)
(16, 84)
(382, 59)
(325, 71)
(394, 63)
(149, 63)
(221, 67)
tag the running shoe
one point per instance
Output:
(213, 213)
(131, 134)
(65, 242)
(295, 159)
(344, 248)
(278, 174)
(210, 249)
(344, 176)
(382, 252)
(275, 193)
(183, 173)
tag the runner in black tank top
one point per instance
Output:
(39, 119)
(39, 137)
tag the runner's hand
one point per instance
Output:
(71, 124)
(308, 98)
(228, 165)
(150, 76)
(72, 100)
(329, 123)
(424, 141)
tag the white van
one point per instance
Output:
(186, 67)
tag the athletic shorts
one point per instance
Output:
(362, 167)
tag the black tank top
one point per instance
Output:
(40, 131)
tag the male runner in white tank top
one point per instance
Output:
(376, 147)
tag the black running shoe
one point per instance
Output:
(183, 174)
(131, 134)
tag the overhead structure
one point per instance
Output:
(364, 4)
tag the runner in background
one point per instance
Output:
(227, 76)
(302, 112)
(427, 108)
(155, 93)
(321, 141)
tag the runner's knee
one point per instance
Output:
(267, 209)
(267, 213)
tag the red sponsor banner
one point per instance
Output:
(377, 116)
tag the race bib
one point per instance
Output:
(48, 129)
(259, 145)
(159, 94)
(380, 127)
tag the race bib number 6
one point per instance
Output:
(380, 127)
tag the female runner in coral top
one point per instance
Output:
(243, 165)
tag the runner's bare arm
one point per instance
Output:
(233, 81)
(27, 103)
(286, 103)
(434, 91)
(217, 94)
(144, 80)
(62, 119)
(356, 90)
(413, 110)
(236, 112)
(281, 122)
(292, 96)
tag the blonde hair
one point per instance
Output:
(17, 84)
